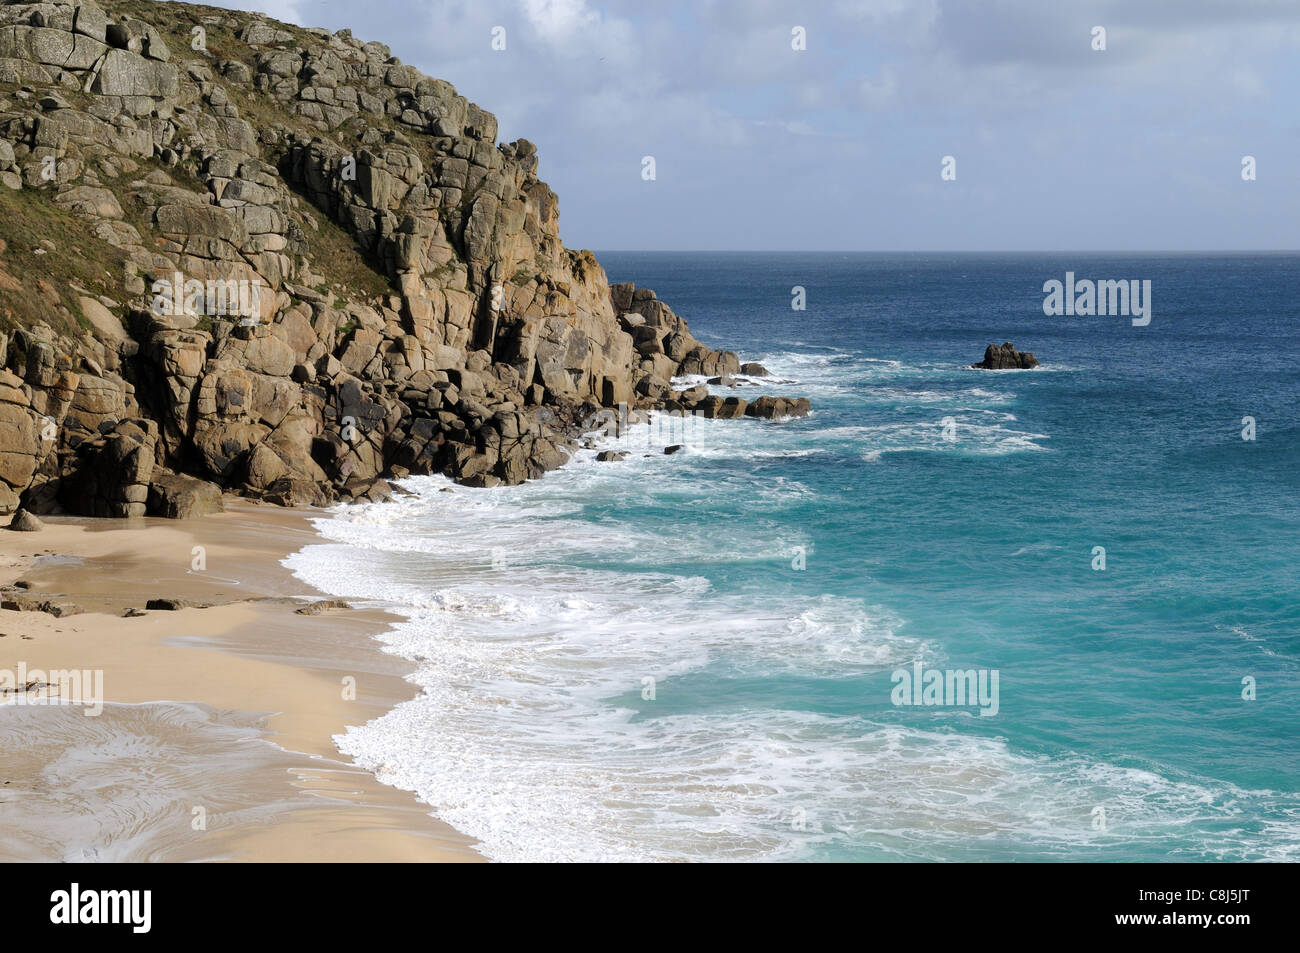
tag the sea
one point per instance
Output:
(755, 648)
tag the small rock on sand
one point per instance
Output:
(173, 605)
(28, 604)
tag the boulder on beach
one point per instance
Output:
(1006, 358)
(181, 497)
(25, 522)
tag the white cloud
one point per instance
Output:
(558, 21)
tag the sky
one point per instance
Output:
(841, 145)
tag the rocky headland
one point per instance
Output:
(237, 255)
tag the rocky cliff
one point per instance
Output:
(243, 255)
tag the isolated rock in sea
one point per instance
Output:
(610, 456)
(25, 522)
(754, 370)
(415, 308)
(1006, 357)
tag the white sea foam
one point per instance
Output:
(532, 734)
(541, 617)
(966, 437)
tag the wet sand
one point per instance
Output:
(215, 739)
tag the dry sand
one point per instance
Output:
(216, 739)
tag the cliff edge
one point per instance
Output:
(237, 254)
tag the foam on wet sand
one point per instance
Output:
(215, 742)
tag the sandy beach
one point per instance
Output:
(215, 737)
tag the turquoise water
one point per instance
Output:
(939, 514)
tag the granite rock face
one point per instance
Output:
(322, 269)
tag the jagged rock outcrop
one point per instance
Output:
(279, 261)
(1005, 357)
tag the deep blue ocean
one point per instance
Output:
(694, 656)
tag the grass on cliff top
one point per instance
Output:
(176, 22)
(27, 220)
